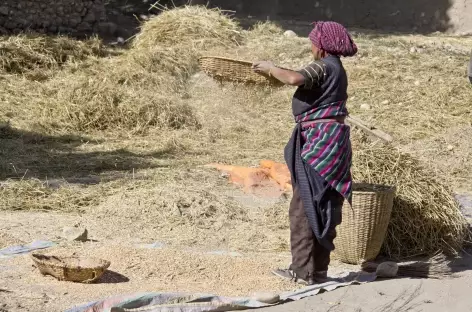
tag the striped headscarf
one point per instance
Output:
(333, 38)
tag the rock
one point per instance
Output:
(73, 22)
(10, 25)
(266, 297)
(417, 83)
(75, 234)
(107, 28)
(120, 40)
(290, 34)
(365, 106)
(63, 30)
(387, 269)
(385, 102)
(4, 10)
(450, 147)
(84, 27)
(90, 17)
(144, 17)
(79, 7)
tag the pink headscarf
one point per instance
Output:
(333, 38)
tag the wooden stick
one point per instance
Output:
(369, 129)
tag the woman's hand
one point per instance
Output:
(263, 67)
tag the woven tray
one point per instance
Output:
(225, 69)
(362, 231)
(74, 269)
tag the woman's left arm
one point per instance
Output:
(285, 76)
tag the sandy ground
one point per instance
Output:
(177, 268)
(135, 267)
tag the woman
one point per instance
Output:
(319, 152)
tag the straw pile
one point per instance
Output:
(23, 53)
(426, 218)
(143, 88)
(135, 92)
(112, 101)
(192, 26)
(185, 32)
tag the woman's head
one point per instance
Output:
(331, 38)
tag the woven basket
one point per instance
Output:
(73, 269)
(364, 226)
(225, 69)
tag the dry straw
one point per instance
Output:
(141, 89)
(426, 218)
(193, 26)
(437, 267)
(23, 53)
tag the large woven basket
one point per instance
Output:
(74, 269)
(364, 226)
(225, 69)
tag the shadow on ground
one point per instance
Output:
(26, 154)
(112, 277)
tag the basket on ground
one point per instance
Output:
(74, 269)
(233, 70)
(364, 226)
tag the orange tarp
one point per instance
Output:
(270, 176)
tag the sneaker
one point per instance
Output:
(290, 275)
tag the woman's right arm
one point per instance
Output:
(309, 77)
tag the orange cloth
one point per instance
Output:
(269, 175)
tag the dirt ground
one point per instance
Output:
(138, 266)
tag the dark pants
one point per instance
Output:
(308, 256)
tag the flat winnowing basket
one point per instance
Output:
(225, 69)
(73, 269)
(364, 226)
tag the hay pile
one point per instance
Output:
(426, 218)
(113, 104)
(140, 90)
(181, 35)
(24, 53)
(195, 27)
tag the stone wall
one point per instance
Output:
(74, 17)
(408, 16)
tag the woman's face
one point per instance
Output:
(318, 54)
